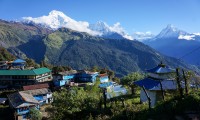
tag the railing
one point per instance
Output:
(39, 78)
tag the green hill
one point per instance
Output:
(5, 55)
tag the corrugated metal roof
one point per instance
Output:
(25, 72)
(37, 91)
(20, 99)
(41, 71)
(161, 69)
(37, 86)
(151, 84)
(105, 85)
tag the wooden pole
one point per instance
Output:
(104, 97)
(149, 99)
(179, 83)
(186, 82)
(161, 87)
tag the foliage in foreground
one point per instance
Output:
(35, 114)
(176, 106)
(69, 103)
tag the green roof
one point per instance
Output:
(38, 71)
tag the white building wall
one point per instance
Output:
(152, 95)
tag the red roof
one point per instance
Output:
(103, 75)
(37, 86)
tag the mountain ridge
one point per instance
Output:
(81, 50)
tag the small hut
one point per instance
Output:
(160, 78)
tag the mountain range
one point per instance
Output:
(57, 19)
(177, 43)
(170, 41)
(60, 40)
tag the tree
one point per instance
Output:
(5, 55)
(35, 114)
(116, 79)
(31, 63)
(67, 68)
(57, 69)
(68, 103)
(130, 78)
(95, 69)
(44, 64)
(110, 73)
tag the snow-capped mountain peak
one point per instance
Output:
(57, 19)
(56, 13)
(171, 27)
(100, 26)
(170, 31)
(115, 31)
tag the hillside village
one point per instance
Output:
(33, 88)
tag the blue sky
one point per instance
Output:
(134, 15)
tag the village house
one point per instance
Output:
(18, 78)
(21, 103)
(159, 76)
(103, 78)
(17, 64)
(33, 96)
(62, 78)
(83, 76)
(111, 88)
(68, 77)
(40, 92)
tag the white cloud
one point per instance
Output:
(198, 34)
(186, 37)
(57, 19)
(120, 30)
(143, 35)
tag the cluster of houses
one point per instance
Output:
(74, 76)
(35, 85)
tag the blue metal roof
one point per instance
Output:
(19, 61)
(161, 69)
(148, 83)
(151, 84)
(105, 85)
